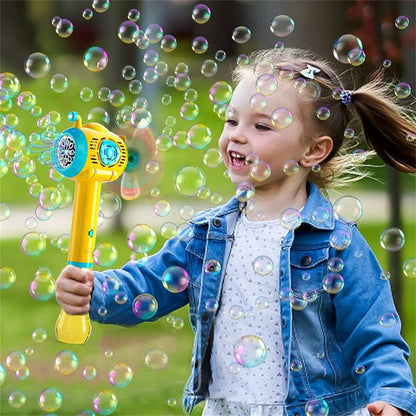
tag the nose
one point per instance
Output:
(238, 135)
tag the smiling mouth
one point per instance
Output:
(237, 160)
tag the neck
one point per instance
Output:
(269, 203)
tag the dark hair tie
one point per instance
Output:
(346, 96)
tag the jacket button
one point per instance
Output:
(205, 316)
(196, 364)
(296, 414)
(216, 222)
(306, 260)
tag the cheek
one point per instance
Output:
(222, 144)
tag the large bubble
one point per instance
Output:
(37, 65)
(175, 279)
(282, 25)
(188, 180)
(156, 359)
(50, 399)
(145, 306)
(141, 238)
(95, 59)
(120, 375)
(344, 45)
(392, 239)
(250, 351)
(104, 402)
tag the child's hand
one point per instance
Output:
(383, 409)
(73, 290)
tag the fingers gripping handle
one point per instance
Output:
(76, 329)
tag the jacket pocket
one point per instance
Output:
(308, 268)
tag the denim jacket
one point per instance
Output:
(347, 357)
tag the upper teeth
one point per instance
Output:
(237, 155)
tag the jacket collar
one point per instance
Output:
(317, 211)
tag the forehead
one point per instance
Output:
(265, 88)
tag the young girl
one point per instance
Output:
(286, 299)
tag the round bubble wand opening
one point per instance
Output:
(89, 154)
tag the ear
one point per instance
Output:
(318, 150)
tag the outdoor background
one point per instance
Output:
(28, 347)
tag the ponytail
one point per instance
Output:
(388, 129)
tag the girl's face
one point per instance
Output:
(248, 132)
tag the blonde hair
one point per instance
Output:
(377, 119)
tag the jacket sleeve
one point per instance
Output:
(140, 277)
(368, 328)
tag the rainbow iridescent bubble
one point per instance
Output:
(175, 279)
(144, 306)
(250, 351)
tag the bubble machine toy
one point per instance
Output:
(89, 154)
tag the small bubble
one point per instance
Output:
(154, 33)
(199, 45)
(356, 57)
(401, 22)
(333, 283)
(323, 113)
(340, 239)
(17, 399)
(104, 402)
(241, 34)
(101, 6)
(317, 407)
(64, 28)
(168, 43)
(89, 372)
(209, 68)
(281, 118)
(156, 359)
(95, 59)
(343, 45)
(59, 83)
(141, 238)
(282, 25)
(360, 369)
(145, 306)
(87, 14)
(201, 13)
(39, 335)
(128, 31)
(120, 375)
(392, 239)
(37, 65)
(66, 362)
(250, 351)
(402, 90)
(387, 319)
(291, 167)
(409, 268)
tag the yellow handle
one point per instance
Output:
(76, 329)
(72, 329)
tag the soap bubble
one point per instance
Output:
(128, 31)
(212, 267)
(298, 303)
(110, 204)
(308, 91)
(348, 208)
(258, 102)
(175, 279)
(104, 402)
(392, 239)
(199, 45)
(98, 115)
(64, 28)
(296, 365)
(66, 362)
(156, 359)
(50, 399)
(128, 72)
(141, 118)
(189, 111)
(220, 55)
(291, 167)
(281, 118)
(343, 45)
(188, 180)
(95, 59)
(243, 60)
(212, 158)
(101, 6)
(105, 255)
(409, 268)
(290, 218)
(220, 92)
(133, 15)
(263, 265)
(402, 90)
(241, 34)
(120, 375)
(209, 68)
(37, 65)
(141, 238)
(333, 283)
(360, 369)
(5, 211)
(26, 100)
(154, 33)
(39, 335)
(89, 372)
(17, 399)
(168, 43)
(387, 319)
(182, 81)
(171, 402)
(401, 22)
(250, 351)
(15, 359)
(33, 244)
(282, 25)
(42, 287)
(335, 264)
(145, 306)
(340, 239)
(266, 84)
(7, 277)
(356, 57)
(323, 113)
(211, 305)
(2, 373)
(59, 83)
(201, 13)
(50, 198)
(86, 94)
(87, 14)
(317, 407)
(111, 285)
(199, 136)
(244, 191)
(236, 312)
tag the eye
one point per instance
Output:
(262, 127)
(231, 122)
